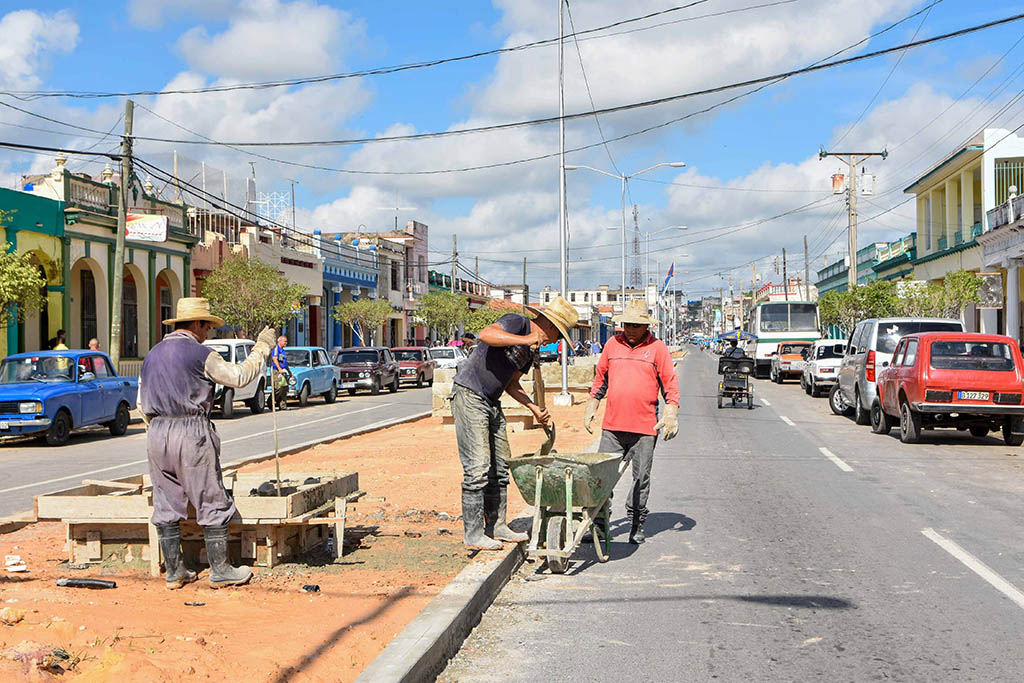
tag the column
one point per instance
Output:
(154, 302)
(989, 321)
(967, 202)
(1013, 299)
(65, 280)
(13, 326)
(934, 216)
(950, 223)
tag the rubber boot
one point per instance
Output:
(495, 523)
(174, 564)
(221, 571)
(473, 522)
(636, 529)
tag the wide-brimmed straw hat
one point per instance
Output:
(635, 313)
(561, 314)
(194, 308)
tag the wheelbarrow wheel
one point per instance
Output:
(555, 540)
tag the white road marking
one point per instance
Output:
(976, 566)
(140, 462)
(834, 458)
(765, 401)
(787, 420)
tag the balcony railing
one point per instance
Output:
(942, 244)
(958, 237)
(89, 194)
(975, 230)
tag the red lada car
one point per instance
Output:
(416, 364)
(961, 380)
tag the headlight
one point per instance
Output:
(30, 407)
(291, 380)
(364, 374)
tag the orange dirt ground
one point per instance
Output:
(399, 555)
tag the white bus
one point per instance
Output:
(779, 321)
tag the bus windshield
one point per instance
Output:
(783, 317)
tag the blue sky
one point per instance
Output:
(766, 142)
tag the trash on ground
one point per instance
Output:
(311, 588)
(195, 603)
(86, 583)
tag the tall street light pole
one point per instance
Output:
(623, 178)
(564, 398)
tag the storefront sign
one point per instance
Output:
(143, 227)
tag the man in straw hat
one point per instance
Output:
(504, 352)
(176, 390)
(633, 369)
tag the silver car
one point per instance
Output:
(868, 350)
(822, 366)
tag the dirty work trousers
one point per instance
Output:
(639, 449)
(483, 441)
(184, 464)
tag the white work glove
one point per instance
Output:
(590, 414)
(668, 426)
(268, 336)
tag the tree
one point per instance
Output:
(961, 290)
(444, 311)
(20, 283)
(250, 294)
(368, 314)
(481, 318)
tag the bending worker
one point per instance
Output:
(503, 353)
(176, 390)
(632, 368)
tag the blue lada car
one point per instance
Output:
(312, 373)
(49, 393)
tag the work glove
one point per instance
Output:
(590, 414)
(267, 336)
(668, 426)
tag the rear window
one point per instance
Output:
(966, 355)
(831, 351)
(890, 333)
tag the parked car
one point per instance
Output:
(49, 393)
(965, 381)
(448, 357)
(821, 366)
(788, 361)
(415, 364)
(367, 367)
(252, 394)
(311, 373)
(872, 344)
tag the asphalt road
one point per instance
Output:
(770, 559)
(31, 468)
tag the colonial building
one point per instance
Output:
(349, 274)
(1003, 249)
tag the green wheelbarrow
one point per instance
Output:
(568, 490)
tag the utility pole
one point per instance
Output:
(293, 202)
(852, 160)
(785, 276)
(807, 273)
(117, 271)
(455, 259)
(564, 398)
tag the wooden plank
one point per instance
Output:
(124, 485)
(154, 550)
(94, 546)
(93, 507)
(248, 544)
(340, 511)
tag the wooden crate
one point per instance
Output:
(128, 497)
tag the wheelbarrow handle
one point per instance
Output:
(549, 443)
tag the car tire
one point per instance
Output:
(1009, 437)
(375, 386)
(60, 429)
(806, 385)
(331, 395)
(393, 387)
(259, 401)
(836, 402)
(304, 395)
(719, 400)
(119, 425)
(227, 403)
(910, 424)
(881, 423)
(978, 431)
(815, 391)
(351, 392)
(860, 415)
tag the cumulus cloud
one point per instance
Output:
(273, 39)
(27, 37)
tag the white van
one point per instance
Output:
(236, 351)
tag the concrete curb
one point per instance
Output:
(423, 648)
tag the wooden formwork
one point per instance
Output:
(110, 520)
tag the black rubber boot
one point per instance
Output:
(636, 529)
(495, 521)
(473, 522)
(221, 571)
(174, 564)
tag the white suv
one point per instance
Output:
(236, 351)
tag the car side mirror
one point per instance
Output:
(86, 376)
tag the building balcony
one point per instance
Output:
(942, 244)
(976, 230)
(958, 237)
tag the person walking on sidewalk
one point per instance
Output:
(633, 369)
(176, 389)
(504, 352)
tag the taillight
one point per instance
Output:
(869, 367)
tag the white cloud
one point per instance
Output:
(26, 38)
(272, 39)
(151, 14)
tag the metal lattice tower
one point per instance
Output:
(274, 206)
(635, 275)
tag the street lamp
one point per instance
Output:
(624, 178)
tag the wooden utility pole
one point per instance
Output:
(853, 160)
(807, 273)
(455, 259)
(785, 276)
(117, 269)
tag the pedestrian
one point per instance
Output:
(176, 390)
(280, 375)
(633, 369)
(94, 344)
(505, 351)
(57, 343)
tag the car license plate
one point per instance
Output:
(972, 395)
(5, 425)
(348, 385)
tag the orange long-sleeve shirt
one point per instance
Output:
(630, 379)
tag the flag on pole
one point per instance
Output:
(671, 274)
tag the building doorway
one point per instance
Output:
(129, 319)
